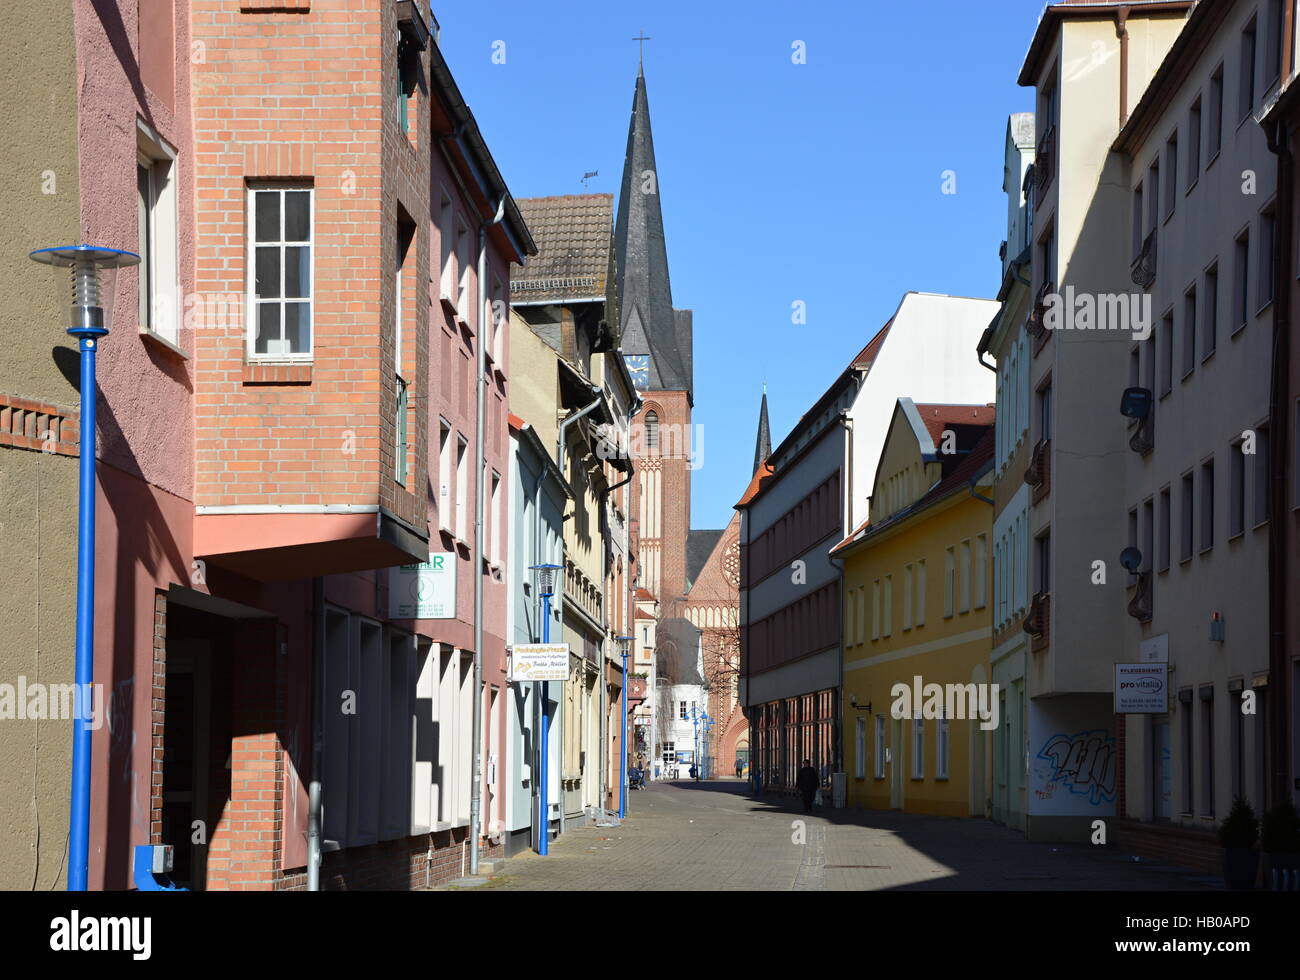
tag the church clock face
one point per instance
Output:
(638, 366)
(731, 563)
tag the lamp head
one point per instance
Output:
(91, 272)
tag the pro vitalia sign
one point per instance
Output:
(1141, 689)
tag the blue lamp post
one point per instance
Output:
(546, 587)
(624, 643)
(87, 320)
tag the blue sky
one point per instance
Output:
(818, 182)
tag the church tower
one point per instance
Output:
(656, 343)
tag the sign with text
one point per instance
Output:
(426, 591)
(1141, 689)
(539, 662)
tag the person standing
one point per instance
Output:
(807, 782)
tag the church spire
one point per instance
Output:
(647, 324)
(763, 445)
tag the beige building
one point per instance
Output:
(1201, 184)
(1089, 65)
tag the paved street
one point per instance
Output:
(685, 836)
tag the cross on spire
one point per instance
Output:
(641, 40)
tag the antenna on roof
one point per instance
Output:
(587, 176)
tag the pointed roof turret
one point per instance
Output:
(648, 324)
(763, 445)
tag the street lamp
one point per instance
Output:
(624, 644)
(546, 588)
(91, 273)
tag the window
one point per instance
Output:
(888, 602)
(1236, 490)
(1131, 578)
(1153, 194)
(157, 243)
(463, 266)
(1171, 173)
(1045, 411)
(1187, 518)
(1240, 273)
(1214, 130)
(1166, 345)
(1137, 221)
(1166, 531)
(981, 571)
(907, 597)
(494, 523)
(1263, 471)
(401, 308)
(860, 748)
(941, 748)
(447, 247)
(1238, 746)
(1273, 43)
(1246, 77)
(1188, 747)
(963, 577)
(652, 431)
(1207, 505)
(918, 748)
(920, 592)
(1043, 560)
(280, 258)
(1264, 270)
(682, 711)
(445, 472)
(670, 753)
(880, 747)
(1189, 332)
(875, 609)
(1210, 312)
(1148, 534)
(1207, 750)
(949, 581)
(462, 487)
(1194, 143)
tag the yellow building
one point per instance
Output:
(919, 711)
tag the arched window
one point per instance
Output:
(652, 431)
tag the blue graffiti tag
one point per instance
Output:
(1083, 763)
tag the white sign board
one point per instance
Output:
(1141, 689)
(1154, 650)
(539, 662)
(426, 591)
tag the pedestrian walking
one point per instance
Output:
(807, 782)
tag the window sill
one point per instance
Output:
(1205, 358)
(1236, 535)
(1260, 525)
(1196, 180)
(277, 373)
(449, 304)
(153, 337)
(1205, 551)
(1187, 374)
(1266, 305)
(1214, 156)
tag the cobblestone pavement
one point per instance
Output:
(704, 836)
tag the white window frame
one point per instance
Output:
(880, 747)
(462, 487)
(860, 744)
(907, 596)
(888, 603)
(964, 577)
(920, 593)
(943, 747)
(918, 748)
(949, 581)
(875, 609)
(159, 301)
(980, 598)
(251, 191)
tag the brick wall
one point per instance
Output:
(158, 716)
(305, 96)
(408, 864)
(1175, 845)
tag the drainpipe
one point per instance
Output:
(317, 735)
(604, 703)
(1121, 31)
(480, 470)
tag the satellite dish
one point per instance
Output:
(1136, 403)
(1131, 559)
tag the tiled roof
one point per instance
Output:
(699, 545)
(756, 484)
(937, 418)
(573, 234)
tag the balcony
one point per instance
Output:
(1038, 474)
(1045, 161)
(1038, 622)
(1143, 269)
